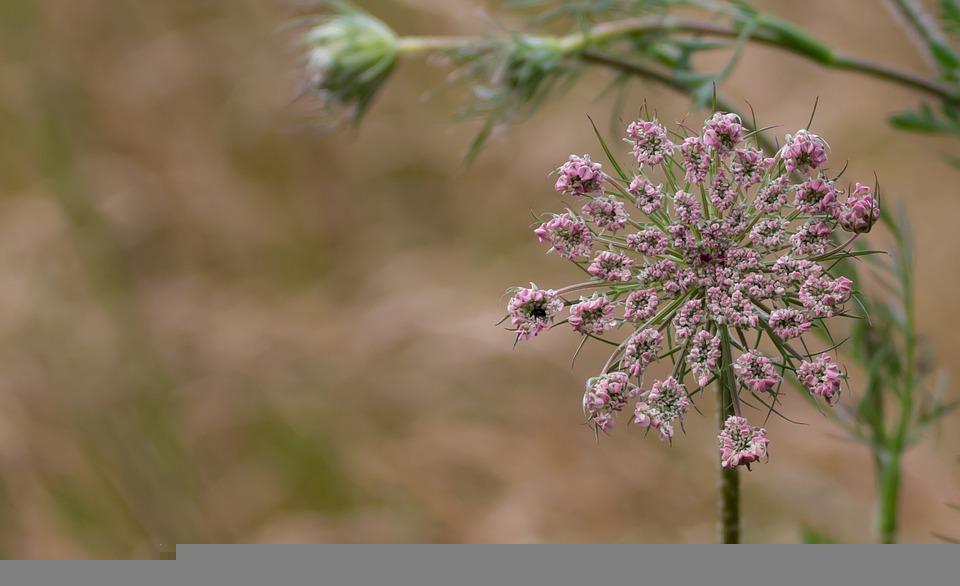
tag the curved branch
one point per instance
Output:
(770, 32)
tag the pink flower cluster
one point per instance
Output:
(724, 270)
(606, 395)
(722, 133)
(789, 323)
(568, 235)
(696, 159)
(640, 305)
(664, 403)
(580, 176)
(648, 195)
(606, 212)
(641, 349)
(611, 266)
(748, 167)
(823, 297)
(861, 210)
(741, 444)
(533, 310)
(822, 376)
(703, 355)
(651, 143)
(756, 371)
(804, 152)
(592, 315)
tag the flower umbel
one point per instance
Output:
(606, 395)
(756, 371)
(580, 176)
(821, 377)
(741, 444)
(722, 270)
(804, 152)
(860, 210)
(660, 406)
(532, 310)
(592, 316)
(651, 144)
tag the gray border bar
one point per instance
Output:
(485, 565)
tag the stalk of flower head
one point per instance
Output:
(709, 253)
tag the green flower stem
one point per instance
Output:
(937, 48)
(416, 45)
(888, 458)
(888, 496)
(729, 477)
(768, 31)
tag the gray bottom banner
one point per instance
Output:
(483, 565)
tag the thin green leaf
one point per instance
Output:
(606, 150)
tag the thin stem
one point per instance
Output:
(729, 477)
(888, 495)
(413, 45)
(920, 22)
(898, 76)
(890, 479)
(769, 31)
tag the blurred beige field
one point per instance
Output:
(219, 325)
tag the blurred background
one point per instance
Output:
(220, 325)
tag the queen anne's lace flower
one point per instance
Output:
(660, 406)
(823, 297)
(821, 377)
(687, 207)
(741, 444)
(641, 350)
(640, 305)
(756, 371)
(580, 176)
(804, 152)
(769, 234)
(761, 286)
(817, 196)
(788, 323)
(533, 310)
(689, 316)
(811, 238)
(606, 212)
(703, 355)
(794, 271)
(738, 250)
(729, 306)
(748, 167)
(593, 315)
(681, 236)
(722, 133)
(648, 242)
(773, 196)
(648, 195)
(568, 235)
(696, 159)
(651, 144)
(611, 266)
(860, 211)
(723, 192)
(606, 395)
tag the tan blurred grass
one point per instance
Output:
(221, 326)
